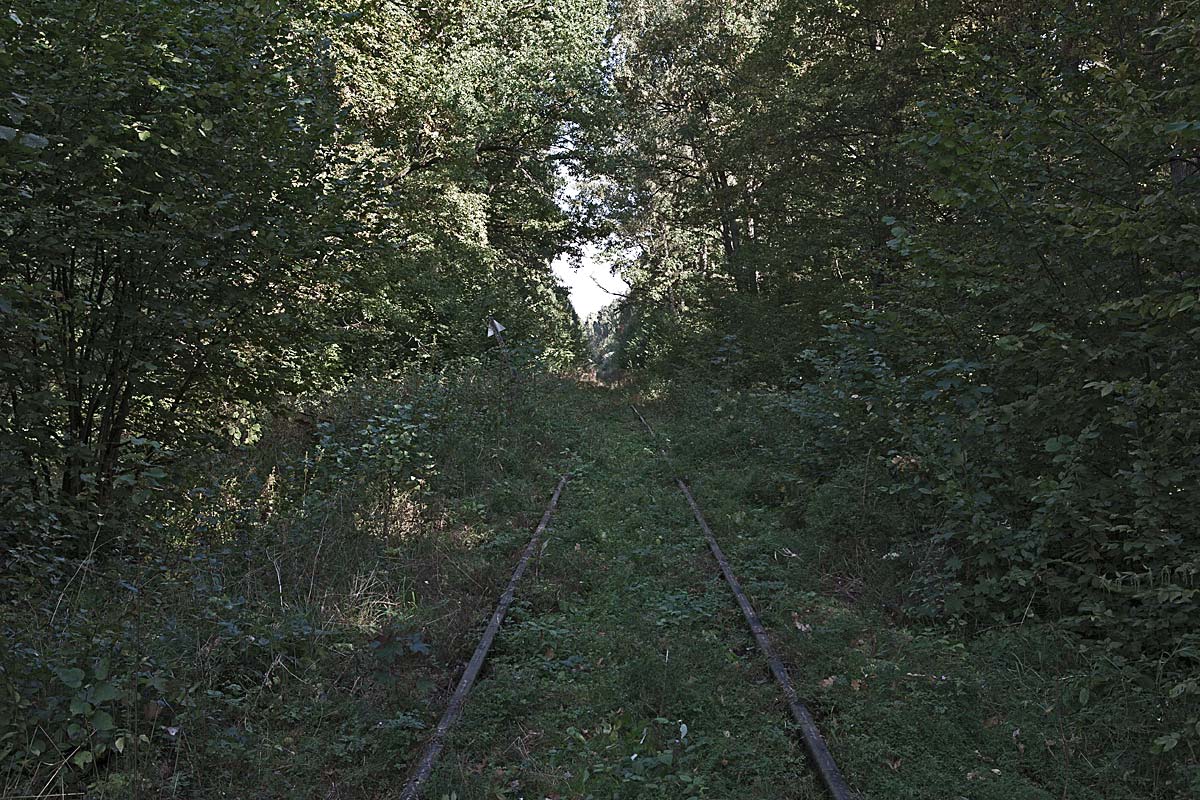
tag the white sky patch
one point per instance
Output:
(593, 285)
(593, 279)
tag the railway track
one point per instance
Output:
(412, 788)
(817, 750)
(814, 742)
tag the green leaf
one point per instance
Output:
(1008, 343)
(71, 676)
(103, 721)
(34, 141)
(1165, 744)
(103, 692)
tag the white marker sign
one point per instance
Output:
(494, 328)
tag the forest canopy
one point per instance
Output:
(210, 206)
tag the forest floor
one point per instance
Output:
(626, 669)
(304, 636)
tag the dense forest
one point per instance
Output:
(916, 285)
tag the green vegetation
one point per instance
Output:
(950, 250)
(913, 299)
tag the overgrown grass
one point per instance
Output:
(840, 569)
(624, 671)
(322, 587)
(326, 584)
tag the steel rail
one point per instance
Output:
(643, 419)
(814, 742)
(412, 789)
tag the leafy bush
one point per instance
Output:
(279, 567)
(1005, 505)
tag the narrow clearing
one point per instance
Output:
(624, 661)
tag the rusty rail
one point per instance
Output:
(412, 789)
(814, 742)
(644, 423)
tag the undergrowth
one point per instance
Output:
(325, 583)
(320, 587)
(858, 586)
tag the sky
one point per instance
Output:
(592, 285)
